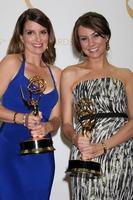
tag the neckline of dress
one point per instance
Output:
(48, 93)
(27, 79)
(95, 79)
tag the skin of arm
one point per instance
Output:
(9, 67)
(67, 80)
(54, 121)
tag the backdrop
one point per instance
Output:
(63, 15)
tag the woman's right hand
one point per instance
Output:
(31, 121)
(81, 142)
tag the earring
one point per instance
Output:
(107, 45)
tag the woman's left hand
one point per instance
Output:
(91, 151)
(38, 131)
(41, 130)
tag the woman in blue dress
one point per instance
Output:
(31, 52)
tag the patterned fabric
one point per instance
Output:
(108, 95)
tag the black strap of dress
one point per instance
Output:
(104, 115)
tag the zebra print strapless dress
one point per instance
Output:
(108, 95)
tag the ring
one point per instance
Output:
(35, 123)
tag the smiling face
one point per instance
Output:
(92, 43)
(34, 37)
(91, 35)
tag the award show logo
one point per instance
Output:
(129, 6)
(28, 3)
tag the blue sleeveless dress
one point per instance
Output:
(27, 177)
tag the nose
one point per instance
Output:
(90, 41)
(38, 37)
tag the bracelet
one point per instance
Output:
(24, 119)
(14, 117)
(104, 146)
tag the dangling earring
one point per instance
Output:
(107, 45)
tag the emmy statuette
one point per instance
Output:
(36, 87)
(85, 115)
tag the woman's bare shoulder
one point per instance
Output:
(55, 67)
(9, 66)
(57, 70)
(71, 70)
(124, 74)
(10, 60)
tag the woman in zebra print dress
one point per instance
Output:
(110, 88)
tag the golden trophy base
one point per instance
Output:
(36, 146)
(79, 167)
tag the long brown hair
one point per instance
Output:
(33, 14)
